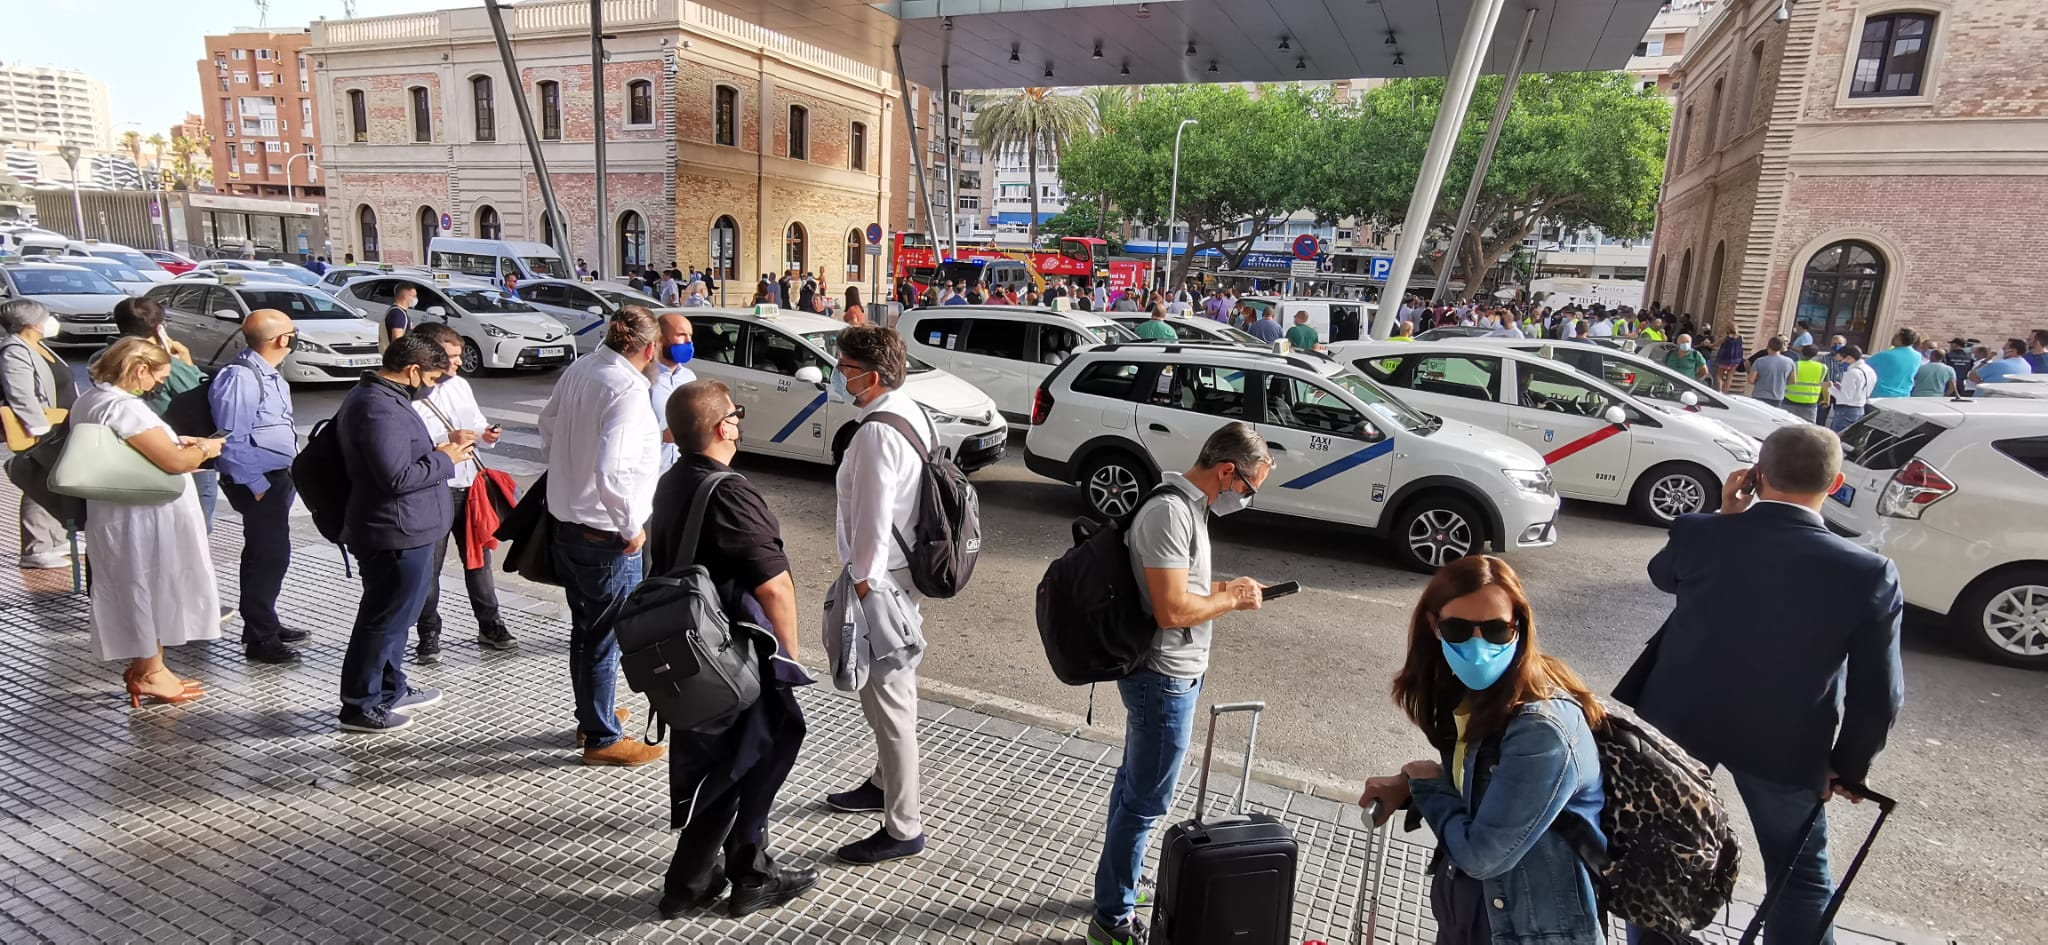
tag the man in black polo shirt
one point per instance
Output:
(722, 784)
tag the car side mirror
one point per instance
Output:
(1368, 432)
(594, 309)
(1689, 400)
(809, 374)
(1616, 416)
(228, 314)
(437, 311)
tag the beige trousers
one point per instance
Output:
(891, 711)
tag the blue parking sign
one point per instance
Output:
(1378, 268)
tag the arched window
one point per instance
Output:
(1680, 302)
(856, 256)
(487, 223)
(550, 95)
(1891, 58)
(422, 115)
(725, 245)
(725, 116)
(481, 100)
(1840, 290)
(632, 241)
(366, 231)
(1714, 117)
(430, 227)
(547, 230)
(795, 251)
(640, 102)
(358, 116)
(1713, 275)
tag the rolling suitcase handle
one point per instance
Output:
(1209, 754)
(1763, 909)
(1365, 919)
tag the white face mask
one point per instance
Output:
(51, 326)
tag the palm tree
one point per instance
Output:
(1034, 120)
(156, 144)
(185, 153)
(131, 142)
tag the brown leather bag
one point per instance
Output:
(18, 437)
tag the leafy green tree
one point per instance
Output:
(1032, 120)
(1579, 149)
(1083, 219)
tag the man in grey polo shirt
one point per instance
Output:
(1169, 545)
(1767, 376)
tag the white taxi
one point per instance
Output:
(777, 364)
(1193, 328)
(498, 330)
(82, 300)
(1602, 444)
(1005, 350)
(1113, 418)
(1651, 380)
(334, 345)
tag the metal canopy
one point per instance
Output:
(1233, 40)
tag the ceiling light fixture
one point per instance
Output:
(1098, 51)
(1191, 47)
(1300, 63)
(1144, 11)
(945, 23)
(1390, 37)
(1013, 55)
(1283, 44)
(1784, 11)
(1048, 70)
(1398, 60)
(1212, 65)
(1126, 70)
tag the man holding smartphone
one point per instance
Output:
(451, 414)
(252, 406)
(1169, 547)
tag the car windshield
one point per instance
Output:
(1383, 403)
(547, 266)
(1241, 337)
(487, 302)
(133, 259)
(617, 297)
(288, 271)
(829, 340)
(63, 282)
(299, 305)
(119, 273)
(1111, 332)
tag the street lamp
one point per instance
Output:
(310, 167)
(70, 155)
(1173, 201)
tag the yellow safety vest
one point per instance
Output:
(1652, 334)
(1805, 383)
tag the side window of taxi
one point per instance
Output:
(776, 353)
(1300, 405)
(1218, 392)
(1473, 377)
(717, 340)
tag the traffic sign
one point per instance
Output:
(872, 249)
(447, 223)
(1302, 268)
(1378, 268)
(874, 233)
(1306, 245)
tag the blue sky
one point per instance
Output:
(144, 50)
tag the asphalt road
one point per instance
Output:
(1963, 858)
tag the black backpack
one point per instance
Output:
(1092, 619)
(190, 412)
(945, 535)
(697, 666)
(321, 477)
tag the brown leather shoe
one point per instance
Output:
(623, 714)
(624, 753)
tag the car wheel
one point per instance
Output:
(1116, 483)
(1435, 529)
(2004, 615)
(472, 358)
(1667, 492)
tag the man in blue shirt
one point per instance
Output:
(251, 401)
(2037, 352)
(2013, 364)
(1266, 329)
(1895, 368)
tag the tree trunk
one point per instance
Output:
(1031, 174)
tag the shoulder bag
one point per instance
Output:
(99, 466)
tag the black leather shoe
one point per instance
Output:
(676, 907)
(293, 636)
(275, 653)
(429, 650)
(787, 884)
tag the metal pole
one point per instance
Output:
(1443, 139)
(946, 152)
(540, 163)
(1500, 117)
(597, 99)
(924, 194)
(70, 154)
(1173, 204)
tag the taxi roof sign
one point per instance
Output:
(767, 310)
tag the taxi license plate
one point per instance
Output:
(91, 330)
(1845, 495)
(555, 352)
(361, 362)
(989, 441)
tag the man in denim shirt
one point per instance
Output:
(251, 401)
(1169, 546)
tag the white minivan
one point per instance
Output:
(1333, 319)
(492, 259)
(1005, 350)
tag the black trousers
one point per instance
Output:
(483, 592)
(266, 551)
(742, 769)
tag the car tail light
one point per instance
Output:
(1913, 488)
(1041, 406)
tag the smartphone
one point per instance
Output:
(1280, 590)
(217, 435)
(1748, 487)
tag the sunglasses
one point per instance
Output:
(739, 412)
(1458, 630)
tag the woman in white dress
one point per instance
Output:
(152, 568)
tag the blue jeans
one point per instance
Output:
(1777, 812)
(596, 574)
(206, 482)
(1843, 415)
(1159, 716)
(394, 587)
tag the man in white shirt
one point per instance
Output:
(878, 484)
(1850, 392)
(667, 374)
(603, 452)
(1603, 327)
(451, 410)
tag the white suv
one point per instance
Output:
(1005, 350)
(1111, 419)
(498, 330)
(1956, 493)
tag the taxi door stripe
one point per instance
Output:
(1337, 466)
(1581, 443)
(798, 420)
(593, 326)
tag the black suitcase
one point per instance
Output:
(1230, 879)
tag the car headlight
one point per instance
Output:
(496, 332)
(941, 417)
(1538, 481)
(1743, 452)
(310, 347)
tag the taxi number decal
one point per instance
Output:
(1319, 444)
(1610, 477)
(782, 385)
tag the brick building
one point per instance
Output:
(727, 144)
(1865, 165)
(263, 114)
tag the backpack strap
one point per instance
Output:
(475, 455)
(693, 526)
(900, 424)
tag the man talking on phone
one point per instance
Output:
(1794, 693)
(1169, 546)
(252, 405)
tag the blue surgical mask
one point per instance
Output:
(1685, 346)
(681, 352)
(1477, 663)
(839, 391)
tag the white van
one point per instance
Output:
(492, 259)
(1005, 350)
(1326, 316)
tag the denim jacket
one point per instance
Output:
(1545, 766)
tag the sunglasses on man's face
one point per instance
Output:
(739, 412)
(1458, 630)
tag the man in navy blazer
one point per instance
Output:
(1793, 691)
